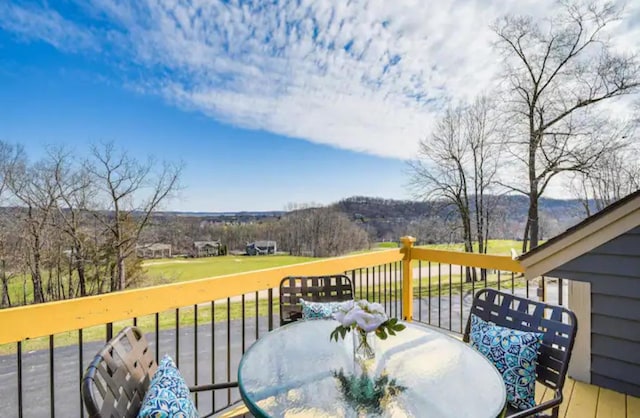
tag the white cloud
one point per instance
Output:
(45, 24)
(369, 76)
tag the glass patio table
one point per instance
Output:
(292, 372)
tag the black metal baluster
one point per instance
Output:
(178, 337)
(228, 348)
(213, 353)
(395, 281)
(439, 294)
(109, 331)
(450, 295)
(135, 321)
(157, 318)
(385, 285)
(374, 282)
(560, 292)
(360, 282)
(513, 283)
(498, 279)
(195, 345)
(19, 360)
(419, 290)
(51, 379)
(367, 284)
(80, 369)
(243, 324)
(270, 309)
(429, 291)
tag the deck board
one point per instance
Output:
(567, 393)
(611, 404)
(633, 407)
(584, 401)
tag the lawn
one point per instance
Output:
(180, 270)
(494, 246)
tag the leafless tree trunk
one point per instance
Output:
(132, 192)
(75, 189)
(34, 187)
(457, 164)
(557, 71)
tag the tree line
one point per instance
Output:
(71, 226)
(545, 121)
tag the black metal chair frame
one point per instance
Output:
(118, 377)
(559, 326)
(333, 288)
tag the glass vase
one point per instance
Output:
(363, 347)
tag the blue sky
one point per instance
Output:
(266, 103)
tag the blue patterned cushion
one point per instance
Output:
(168, 394)
(514, 353)
(319, 310)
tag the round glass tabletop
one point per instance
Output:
(296, 371)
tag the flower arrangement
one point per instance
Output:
(364, 317)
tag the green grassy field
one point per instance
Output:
(494, 246)
(180, 270)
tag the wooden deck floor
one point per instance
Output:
(582, 400)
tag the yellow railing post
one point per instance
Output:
(407, 278)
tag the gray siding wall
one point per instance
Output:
(613, 269)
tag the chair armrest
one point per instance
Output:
(557, 400)
(214, 386)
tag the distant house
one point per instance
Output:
(600, 257)
(206, 248)
(155, 250)
(261, 248)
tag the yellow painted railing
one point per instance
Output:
(22, 323)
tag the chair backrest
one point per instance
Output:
(118, 377)
(558, 324)
(336, 288)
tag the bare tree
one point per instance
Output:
(321, 232)
(556, 73)
(34, 188)
(11, 156)
(75, 190)
(132, 191)
(457, 165)
(613, 176)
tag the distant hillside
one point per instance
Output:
(389, 217)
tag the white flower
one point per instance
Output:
(368, 321)
(362, 314)
(342, 311)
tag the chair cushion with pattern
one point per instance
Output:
(514, 353)
(168, 394)
(319, 310)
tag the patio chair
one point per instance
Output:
(559, 326)
(118, 377)
(336, 288)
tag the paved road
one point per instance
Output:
(67, 371)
